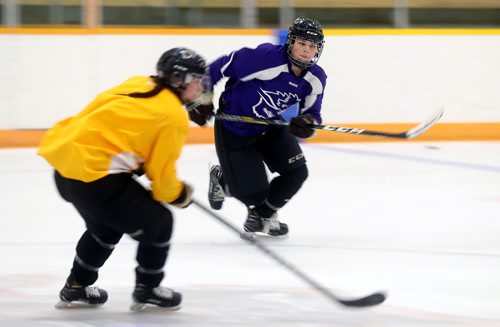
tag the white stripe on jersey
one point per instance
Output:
(124, 162)
(223, 69)
(267, 74)
(317, 88)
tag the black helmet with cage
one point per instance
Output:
(177, 67)
(308, 29)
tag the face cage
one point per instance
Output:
(180, 80)
(206, 86)
(299, 63)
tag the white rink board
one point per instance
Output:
(372, 78)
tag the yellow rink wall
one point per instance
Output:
(204, 135)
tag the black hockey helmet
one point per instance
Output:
(176, 67)
(308, 29)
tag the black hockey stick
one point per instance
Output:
(409, 134)
(367, 301)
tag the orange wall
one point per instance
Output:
(204, 135)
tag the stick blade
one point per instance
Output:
(367, 301)
(422, 127)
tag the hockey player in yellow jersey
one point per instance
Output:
(138, 126)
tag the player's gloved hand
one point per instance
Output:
(300, 126)
(201, 114)
(184, 200)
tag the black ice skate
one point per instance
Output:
(215, 189)
(255, 225)
(81, 296)
(158, 298)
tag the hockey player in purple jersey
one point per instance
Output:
(266, 82)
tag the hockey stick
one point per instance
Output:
(367, 301)
(409, 134)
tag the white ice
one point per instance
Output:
(420, 221)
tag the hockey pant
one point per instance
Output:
(112, 206)
(244, 159)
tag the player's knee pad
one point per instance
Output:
(91, 243)
(296, 177)
(285, 186)
(107, 240)
(155, 229)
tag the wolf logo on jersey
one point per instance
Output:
(273, 103)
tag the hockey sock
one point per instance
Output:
(151, 259)
(266, 209)
(91, 254)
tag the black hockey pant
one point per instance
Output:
(243, 161)
(112, 206)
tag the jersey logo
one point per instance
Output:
(272, 103)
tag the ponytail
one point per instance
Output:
(159, 86)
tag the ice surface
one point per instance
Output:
(418, 220)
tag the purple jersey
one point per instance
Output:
(261, 84)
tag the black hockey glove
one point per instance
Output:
(184, 200)
(300, 126)
(201, 114)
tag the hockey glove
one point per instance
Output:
(300, 126)
(184, 200)
(201, 114)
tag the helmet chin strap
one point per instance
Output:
(301, 64)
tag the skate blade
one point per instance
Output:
(76, 305)
(147, 307)
(261, 236)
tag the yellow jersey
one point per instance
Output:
(116, 133)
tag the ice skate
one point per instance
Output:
(155, 299)
(215, 189)
(81, 297)
(256, 225)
